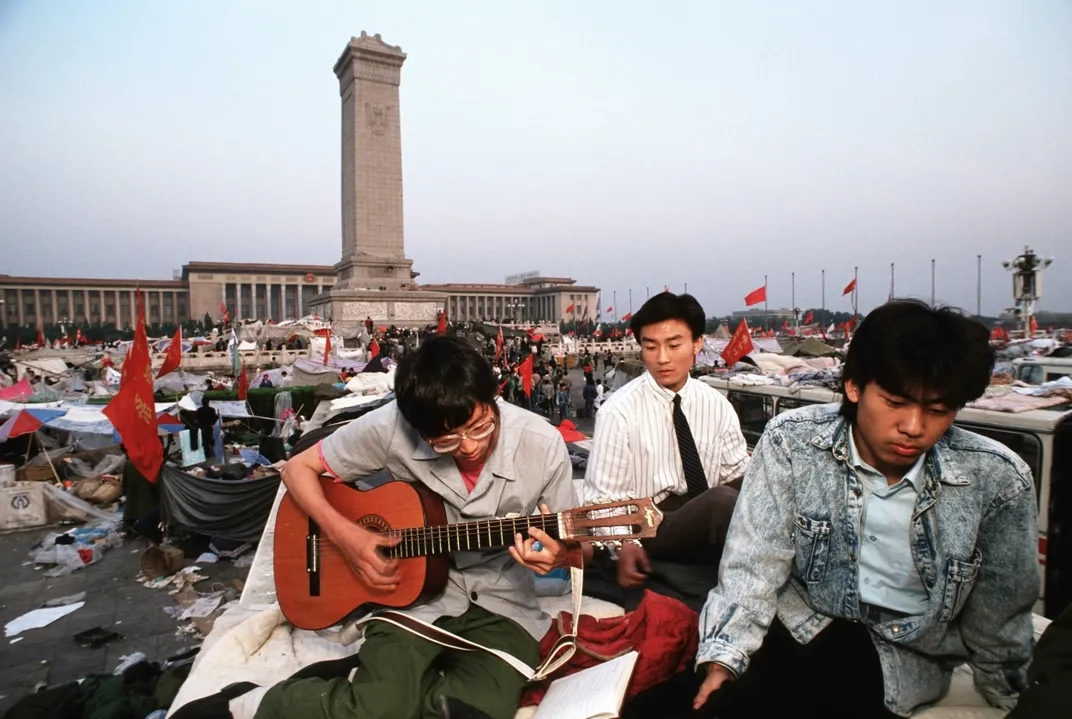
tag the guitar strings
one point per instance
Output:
(478, 529)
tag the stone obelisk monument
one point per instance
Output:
(374, 277)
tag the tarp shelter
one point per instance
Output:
(810, 347)
(238, 408)
(21, 391)
(508, 331)
(313, 372)
(51, 366)
(721, 333)
(25, 421)
(232, 509)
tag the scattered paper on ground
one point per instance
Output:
(38, 618)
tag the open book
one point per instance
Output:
(593, 693)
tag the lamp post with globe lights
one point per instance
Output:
(1026, 272)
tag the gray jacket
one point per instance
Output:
(793, 544)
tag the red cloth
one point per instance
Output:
(173, 358)
(756, 296)
(662, 630)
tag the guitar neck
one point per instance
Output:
(483, 534)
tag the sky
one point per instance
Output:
(629, 145)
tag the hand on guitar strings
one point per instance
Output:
(550, 555)
(362, 549)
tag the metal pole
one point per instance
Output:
(978, 285)
(647, 293)
(686, 288)
(892, 281)
(616, 312)
(793, 283)
(630, 300)
(824, 289)
(765, 311)
(932, 283)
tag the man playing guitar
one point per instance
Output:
(484, 459)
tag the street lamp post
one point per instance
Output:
(1027, 283)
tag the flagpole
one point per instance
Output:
(892, 282)
(932, 282)
(765, 311)
(793, 282)
(647, 293)
(686, 288)
(855, 294)
(978, 286)
(630, 300)
(615, 315)
(824, 289)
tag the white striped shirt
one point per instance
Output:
(635, 450)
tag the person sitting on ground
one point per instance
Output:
(446, 431)
(875, 546)
(677, 440)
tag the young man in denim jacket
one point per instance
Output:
(875, 546)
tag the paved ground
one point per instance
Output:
(114, 601)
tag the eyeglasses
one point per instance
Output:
(450, 442)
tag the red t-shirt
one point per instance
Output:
(470, 474)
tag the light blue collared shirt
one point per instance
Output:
(888, 575)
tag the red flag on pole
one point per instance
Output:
(849, 287)
(1034, 324)
(570, 308)
(756, 296)
(609, 310)
(525, 370)
(373, 350)
(739, 345)
(442, 329)
(627, 316)
(226, 315)
(132, 411)
(808, 318)
(243, 383)
(498, 345)
(173, 358)
(327, 346)
(40, 337)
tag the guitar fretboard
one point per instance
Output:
(483, 534)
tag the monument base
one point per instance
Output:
(348, 309)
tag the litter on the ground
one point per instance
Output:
(64, 601)
(208, 558)
(39, 618)
(202, 607)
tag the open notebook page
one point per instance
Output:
(593, 693)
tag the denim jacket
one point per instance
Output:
(793, 548)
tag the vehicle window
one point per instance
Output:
(1031, 373)
(1051, 376)
(1026, 445)
(787, 403)
(754, 411)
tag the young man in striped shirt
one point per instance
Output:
(675, 439)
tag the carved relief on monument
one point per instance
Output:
(360, 310)
(377, 72)
(416, 310)
(377, 116)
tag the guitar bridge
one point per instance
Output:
(312, 558)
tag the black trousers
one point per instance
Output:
(837, 674)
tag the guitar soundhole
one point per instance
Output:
(374, 523)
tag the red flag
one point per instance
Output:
(570, 308)
(785, 324)
(849, 287)
(498, 345)
(609, 310)
(627, 316)
(40, 337)
(18, 343)
(373, 350)
(243, 383)
(629, 330)
(442, 329)
(174, 355)
(225, 313)
(327, 346)
(525, 370)
(739, 345)
(1034, 325)
(132, 411)
(808, 318)
(756, 296)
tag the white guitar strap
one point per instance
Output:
(560, 653)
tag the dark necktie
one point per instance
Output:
(690, 457)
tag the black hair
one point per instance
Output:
(438, 387)
(204, 400)
(908, 347)
(668, 306)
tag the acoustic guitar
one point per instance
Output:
(317, 587)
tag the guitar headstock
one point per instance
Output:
(641, 516)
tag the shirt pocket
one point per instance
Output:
(812, 538)
(959, 580)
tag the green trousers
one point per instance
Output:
(402, 676)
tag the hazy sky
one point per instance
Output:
(625, 144)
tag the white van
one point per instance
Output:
(1042, 438)
(1036, 370)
